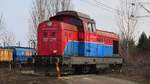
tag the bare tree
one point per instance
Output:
(5, 37)
(1, 24)
(1, 28)
(8, 39)
(127, 24)
(42, 10)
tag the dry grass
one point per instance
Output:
(137, 67)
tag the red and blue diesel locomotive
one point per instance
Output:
(71, 39)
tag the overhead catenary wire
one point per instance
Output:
(147, 10)
(102, 4)
(99, 5)
(144, 8)
(144, 2)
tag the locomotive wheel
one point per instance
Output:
(67, 70)
(116, 67)
(86, 69)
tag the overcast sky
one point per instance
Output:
(17, 14)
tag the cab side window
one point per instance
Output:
(75, 21)
(94, 27)
(91, 27)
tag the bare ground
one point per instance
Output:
(7, 77)
(95, 79)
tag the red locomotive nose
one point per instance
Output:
(49, 38)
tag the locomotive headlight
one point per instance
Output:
(54, 51)
(49, 23)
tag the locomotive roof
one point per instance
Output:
(73, 13)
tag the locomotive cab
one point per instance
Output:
(55, 33)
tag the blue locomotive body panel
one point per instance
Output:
(89, 49)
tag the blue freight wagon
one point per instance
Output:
(22, 54)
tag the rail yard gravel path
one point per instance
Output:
(7, 77)
(94, 79)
